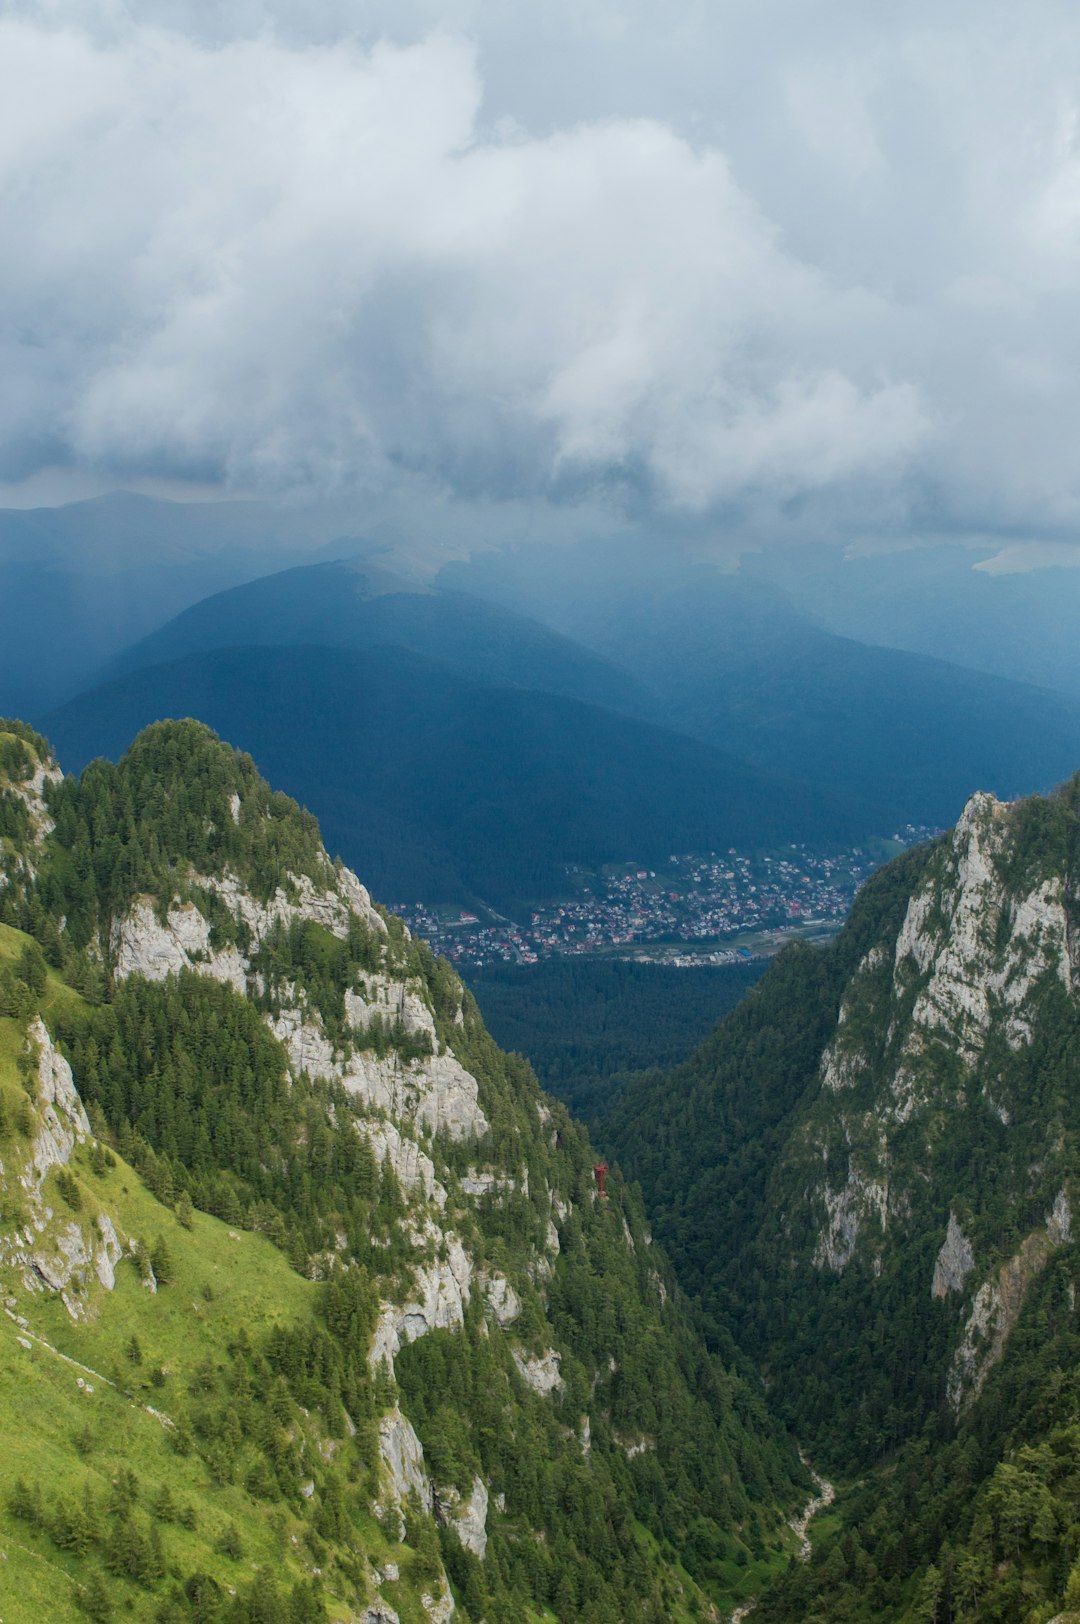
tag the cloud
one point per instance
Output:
(746, 264)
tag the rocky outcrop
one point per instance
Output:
(976, 944)
(502, 1299)
(108, 1253)
(997, 1307)
(847, 1210)
(468, 1517)
(436, 1303)
(541, 1373)
(414, 1169)
(954, 1263)
(31, 791)
(144, 943)
(402, 1457)
(440, 1608)
(57, 1253)
(63, 1121)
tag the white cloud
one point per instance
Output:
(729, 256)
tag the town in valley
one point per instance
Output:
(698, 908)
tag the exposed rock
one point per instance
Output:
(978, 945)
(395, 1001)
(143, 945)
(63, 1120)
(503, 1300)
(415, 1169)
(541, 1374)
(108, 1254)
(31, 791)
(379, 1613)
(403, 1457)
(846, 1210)
(955, 1261)
(468, 1517)
(435, 1092)
(437, 1303)
(996, 1310)
(439, 1609)
(67, 1259)
(1059, 1220)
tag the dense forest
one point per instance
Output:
(587, 1024)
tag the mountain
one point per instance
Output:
(730, 660)
(867, 1176)
(360, 604)
(79, 583)
(446, 788)
(1002, 607)
(313, 1310)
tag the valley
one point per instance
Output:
(731, 907)
(539, 812)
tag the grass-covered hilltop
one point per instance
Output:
(311, 1308)
(868, 1176)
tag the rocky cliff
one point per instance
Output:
(869, 1172)
(920, 1122)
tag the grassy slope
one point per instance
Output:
(224, 1281)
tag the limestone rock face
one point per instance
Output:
(403, 1458)
(437, 1303)
(108, 1253)
(415, 1170)
(847, 1210)
(440, 1608)
(63, 1119)
(541, 1374)
(977, 942)
(432, 1092)
(997, 1306)
(31, 791)
(142, 945)
(954, 1263)
(55, 1253)
(468, 1516)
(503, 1300)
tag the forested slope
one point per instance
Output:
(353, 1335)
(867, 1174)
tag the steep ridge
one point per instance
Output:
(868, 1173)
(314, 1310)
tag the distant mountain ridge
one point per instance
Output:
(443, 787)
(361, 604)
(730, 660)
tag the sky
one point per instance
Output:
(781, 267)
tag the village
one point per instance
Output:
(699, 908)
